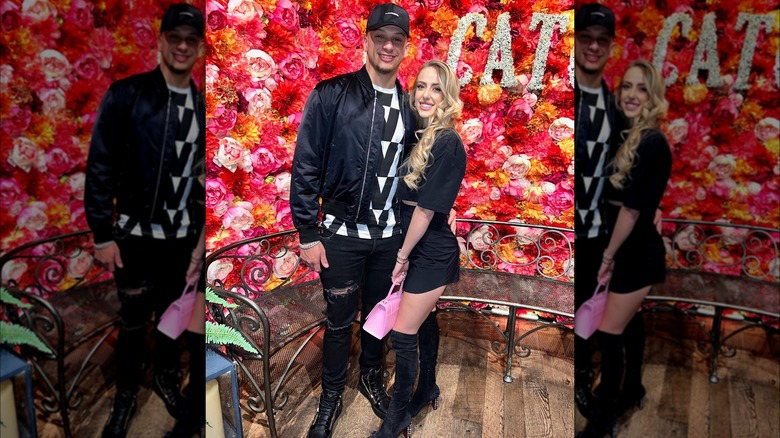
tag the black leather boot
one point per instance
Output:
(604, 418)
(583, 377)
(633, 393)
(427, 391)
(121, 413)
(398, 418)
(372, 387)
(327, 414)
(166, 384)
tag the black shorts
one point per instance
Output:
(641, 259)
(435, 260)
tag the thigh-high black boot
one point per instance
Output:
(398, 419)
(583, 376)
(604, 419)
(633, 393)
(427, 391)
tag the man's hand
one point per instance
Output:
(451, 220)
(315, 257)
(109, 257)
(657, 220)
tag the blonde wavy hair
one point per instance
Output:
(445, 116)
(648, 119)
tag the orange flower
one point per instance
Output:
(489, 94)
(445, 22)
(695, 93)
(222, 42)
(264, 215)
(245, 130)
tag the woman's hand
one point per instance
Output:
(399, 271)
(605, 271)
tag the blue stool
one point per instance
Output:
(11, 366)
(216, 366)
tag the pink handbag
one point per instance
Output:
(382, 317)
(178, 314)
(588, 316)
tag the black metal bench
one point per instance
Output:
(714, 268)
(74, 304)
(281, 308)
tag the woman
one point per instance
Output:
(634, 259)
(428, 259)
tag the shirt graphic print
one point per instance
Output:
(382, 221)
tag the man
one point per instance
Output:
(596, 139)
(144, 204)
(355, 131)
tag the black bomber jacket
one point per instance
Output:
(337, 151)
(132, 145)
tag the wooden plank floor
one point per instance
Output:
(681, 401)
(477, 403)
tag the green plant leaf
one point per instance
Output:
(6, 297)
(14, 334)
(222, 334)
(212, 297)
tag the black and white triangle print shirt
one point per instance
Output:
(382, 221)
(173, 220)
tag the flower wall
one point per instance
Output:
(721, 64)
(58, 59)
(513, 58)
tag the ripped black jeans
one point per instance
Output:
(359, 272)
(152, 278)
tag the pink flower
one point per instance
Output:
(103, 46)
(33, 217)
(216, 192)
(286, 14)
(9, 16)
(58, 162)
(259, 101)
(471, 131)
(38, 10)
(285, 265)
(517, 166)
(53, 100)
(80, 14)
(522, 83)
(264, 162)
(231, 155)
(482, 238)
(767, 129)
(219, 270)
(561, 129)
(495, 194)
(282, 182)
(350, 35)
(262, 68)
(6, 74)
(54, 64)
(216, 19)
(239, 216)
(292, 67)
(494, 124)
(559, 201)
(723, 166)
(223, 121)
(12, 196)
(87, 67)
(244, 10)
(143, 33)
(13, 271)
(79, 263)
(27, 155)
(76, 182)
(520, 111)
(677, 131)
(433, 5)
(18, 120)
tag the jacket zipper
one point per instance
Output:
(368, 153)
(162, 156)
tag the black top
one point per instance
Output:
(443, 175)
(652, 168)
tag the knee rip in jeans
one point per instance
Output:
(134, 308)
(340, 293)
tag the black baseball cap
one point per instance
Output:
(594, 14)
(388, 14)
(182, 14)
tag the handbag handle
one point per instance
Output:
(601, 286)
(400, 285)
(191, 286)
